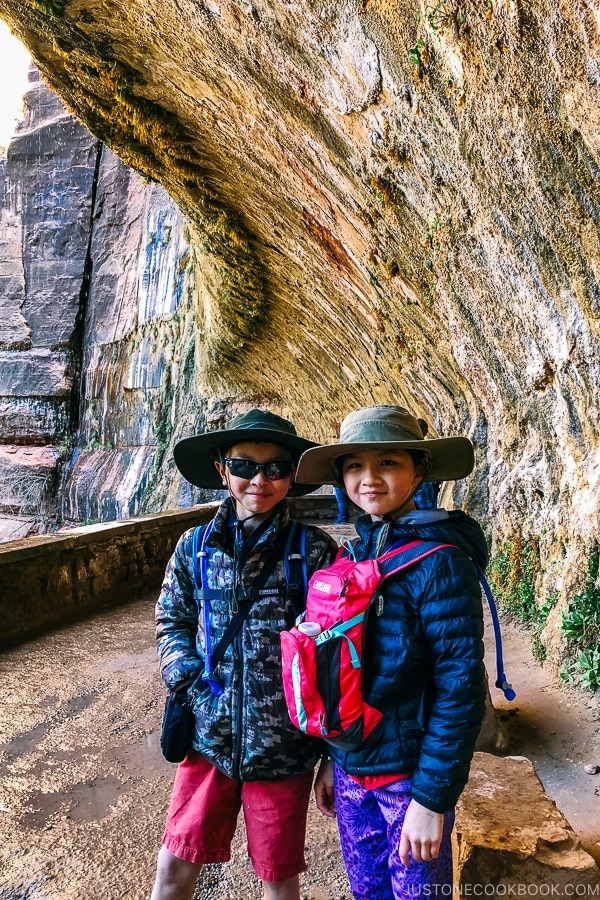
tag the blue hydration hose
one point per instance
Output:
(501, 679)
(200, 553)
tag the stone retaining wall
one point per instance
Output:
(49, 580)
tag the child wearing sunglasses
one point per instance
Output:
(245, 752)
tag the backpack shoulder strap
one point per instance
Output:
(400, 557)
(404, 555)
(199, 536)
(199, 559)
(201, 595)
(294, 561)
(244, 603)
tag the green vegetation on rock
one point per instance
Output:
(580, 626)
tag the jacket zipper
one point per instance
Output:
(380, 544)
(239, 736)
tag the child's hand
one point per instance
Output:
(421, 834)
(324, 793)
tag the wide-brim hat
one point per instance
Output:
(195, 456)
(393, 427)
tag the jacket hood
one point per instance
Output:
(456, 527)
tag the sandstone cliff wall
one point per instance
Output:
(385, 202)
(45, 216)
(96, 343)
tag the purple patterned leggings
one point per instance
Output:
(370, 823)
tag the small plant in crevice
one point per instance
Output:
(430, 295)
(580, 626)
(537, 647)
(391, 267)
(93, 443)
(55, 9)
(66, 445)
(418, 54)
(437, 15)
(431, 238)
(383, 190)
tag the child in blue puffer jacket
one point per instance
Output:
(394, 796)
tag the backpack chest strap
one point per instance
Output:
(229, 594)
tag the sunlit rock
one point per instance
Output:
(512, 840)
(385, 202)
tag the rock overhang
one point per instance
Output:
(387, 202)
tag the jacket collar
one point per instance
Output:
(222, 534)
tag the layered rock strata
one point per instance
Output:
(95, 327)
(45, 214)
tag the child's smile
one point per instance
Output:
(259, 493)
(381, 482)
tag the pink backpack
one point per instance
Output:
(323, 653)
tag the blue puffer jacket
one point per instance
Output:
(246, 731)
(424, 658)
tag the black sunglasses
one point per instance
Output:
(247, 468)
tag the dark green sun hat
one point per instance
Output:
(392, 427)
(195, 456)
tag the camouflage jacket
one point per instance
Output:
(245, 732)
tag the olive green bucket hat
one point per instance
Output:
(393, 427)
(195, 456)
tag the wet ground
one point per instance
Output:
(84, 788)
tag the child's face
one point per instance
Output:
(256, 494)
(381, 482)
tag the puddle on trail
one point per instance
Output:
(81, 803)
(91, 800)
(24, 743)
(28, 741)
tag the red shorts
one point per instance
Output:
(203, 814)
